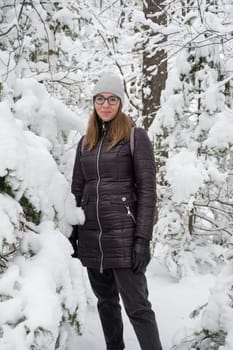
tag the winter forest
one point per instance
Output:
(176, 61)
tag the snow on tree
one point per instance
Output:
(195, 217)
(51, 54)
(193, 144)
(39, 286)
(41, 289)
(214, 330)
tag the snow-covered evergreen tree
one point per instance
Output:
(41, 290)
(195, 217)
(193, 136)
(39, 282)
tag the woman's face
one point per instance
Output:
(106, 111)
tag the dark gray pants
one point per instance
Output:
(134, 293)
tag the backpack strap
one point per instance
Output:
(83, 144)
(132, 131)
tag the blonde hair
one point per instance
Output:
(119, 129)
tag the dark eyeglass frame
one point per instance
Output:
(108, 99)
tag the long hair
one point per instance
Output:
(119, 129)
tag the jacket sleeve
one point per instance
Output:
(145, 180)
(78, 178)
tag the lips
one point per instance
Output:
(106, 112)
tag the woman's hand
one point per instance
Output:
(140, 254)
(73, 240)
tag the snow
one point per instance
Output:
(45, 115)
(185, 173)
(28, 161)
(172, 302)
(221, 133)
(39, 290)
(216, 104)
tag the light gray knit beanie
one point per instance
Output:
(110, 83)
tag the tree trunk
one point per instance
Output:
(154, 62)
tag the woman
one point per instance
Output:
(116, 189)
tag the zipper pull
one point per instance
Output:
(104, 128)
(126, 206)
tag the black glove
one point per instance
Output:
(140, 254)
(73, 240)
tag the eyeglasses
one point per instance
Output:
(112, 100)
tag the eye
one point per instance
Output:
(113, 100)
(99, 99)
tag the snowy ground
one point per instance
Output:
(172, 302)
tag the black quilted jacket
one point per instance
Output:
(117, 192)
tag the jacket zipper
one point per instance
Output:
(129, 213)
(97, 204)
